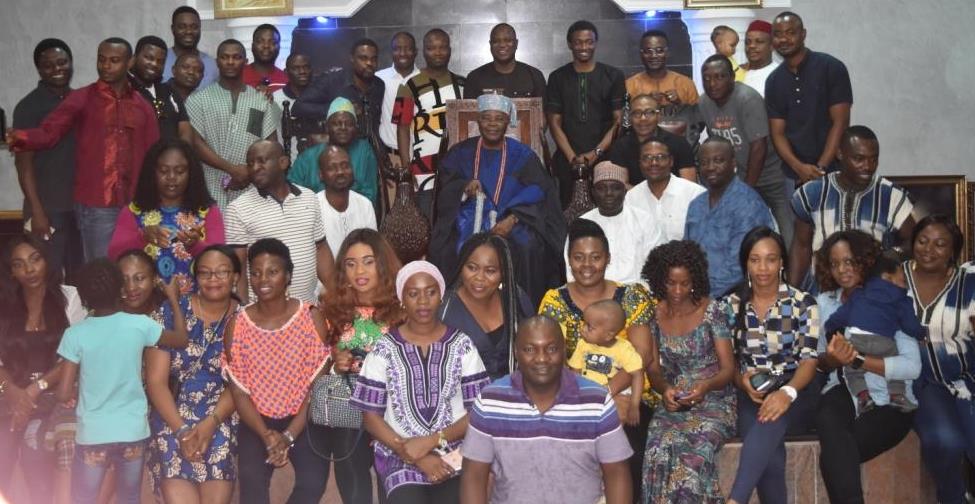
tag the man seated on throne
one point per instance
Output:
(495, 183)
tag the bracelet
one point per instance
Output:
(289, 436)
(3, 387)
(182, 430)
(442, 442)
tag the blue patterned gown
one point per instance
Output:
(196, 369)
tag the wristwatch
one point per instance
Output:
(42, 384)
(442, 442)
(598, 151)
(289, 436)
(790, 391)
(858, 361)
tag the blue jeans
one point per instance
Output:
(91, 462)
(946, 427)
(96, 226)
(762, 462)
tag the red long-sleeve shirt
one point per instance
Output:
(112, 134)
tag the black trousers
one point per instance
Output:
(637, 436)
(447, 492)
(255, 475)
(352, 475)
(846, 442)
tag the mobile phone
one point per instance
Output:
(760, 381)
(681, 395)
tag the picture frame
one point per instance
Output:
(719, 4)
(945, 194)
(223, 9)
(462, 123)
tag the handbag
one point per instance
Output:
(329, 406)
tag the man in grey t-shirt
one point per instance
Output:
(737, 112)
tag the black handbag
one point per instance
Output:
(328, 406)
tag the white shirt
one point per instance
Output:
(338, 225)
(756, 78)
(393, 80)
(632, 234)
(670, 209)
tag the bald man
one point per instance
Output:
(272, 207)
(343, 209)
(509, 428)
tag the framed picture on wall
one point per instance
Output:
(944, 194)
(245, 8)
(711, 4)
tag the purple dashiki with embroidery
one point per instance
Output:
(417, 395)
(546, 457)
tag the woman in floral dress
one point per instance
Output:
(172, 216)
(193, 448)
(691, 367)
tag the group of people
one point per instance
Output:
(737, 268)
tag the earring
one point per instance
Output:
(782, 274)
(500, 285)
(749, 280)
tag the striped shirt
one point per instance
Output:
(553, 456)
(879, 210)
(296, 221)
(229, 127)
(948, 353)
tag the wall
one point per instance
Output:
(912, 71)
(909, 64)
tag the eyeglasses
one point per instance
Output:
(207, 274)
(655, 158)
(645, 114)
(656, 51)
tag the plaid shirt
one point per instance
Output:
(789, 334)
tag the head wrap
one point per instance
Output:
(500, 103)
(340, 105)
(418, 267)
(606, 170)
(759, 25)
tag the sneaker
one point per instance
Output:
(865, 402)
(901, 402)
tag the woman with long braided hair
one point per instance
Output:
(485, 302)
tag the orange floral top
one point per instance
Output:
(276, 367)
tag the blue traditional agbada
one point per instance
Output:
(524, 190)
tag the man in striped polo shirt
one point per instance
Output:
(272, 207)
(547, 434)
(852, 198)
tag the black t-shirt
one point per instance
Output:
(586, 102)
(626, 152)
(167, 105)
(525, 81)
(54, 167)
